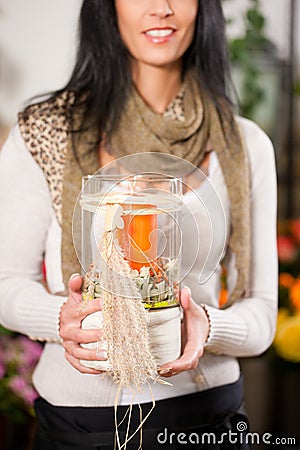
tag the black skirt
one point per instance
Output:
(204, 420)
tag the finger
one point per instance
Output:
(90, 307)
(185, 298)
(78, 352)
(189, 306)
(75, 283)
(188, 361)
(77, 365)
(80, 336)
(76, 309)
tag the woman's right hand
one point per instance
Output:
(71, 315)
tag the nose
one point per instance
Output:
(161, 8)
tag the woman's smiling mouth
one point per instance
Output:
(159, 35)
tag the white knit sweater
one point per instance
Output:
(29, 232)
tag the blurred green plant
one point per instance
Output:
(297, 88)
(245, 52)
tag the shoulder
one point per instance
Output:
(17, 167)
(46, 121)
(45, 129)
(14, 152)
(257, 142)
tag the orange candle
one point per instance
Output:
(140, 237)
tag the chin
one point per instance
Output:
(161, 61)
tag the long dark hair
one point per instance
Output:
(102, 70)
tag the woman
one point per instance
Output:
(139, 60)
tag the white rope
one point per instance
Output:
(164, 326)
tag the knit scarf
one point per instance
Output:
(141, 130)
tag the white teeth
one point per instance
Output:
(159, 33)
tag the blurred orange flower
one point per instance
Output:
(223, 297)
(287, 340)
(295, 294)
(286, 280)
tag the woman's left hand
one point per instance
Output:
(195, 329)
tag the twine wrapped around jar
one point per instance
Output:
(163, 331)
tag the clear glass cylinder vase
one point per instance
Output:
(142, 215)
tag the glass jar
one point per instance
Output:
(142, 212)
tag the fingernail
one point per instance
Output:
(102, 355)
(189, 290)
(74, 275)
(165, 371)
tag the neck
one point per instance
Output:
(157, 85)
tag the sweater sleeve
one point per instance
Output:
(247, 327)
(26, 214)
